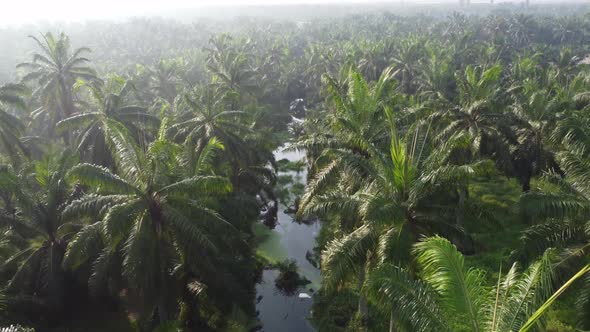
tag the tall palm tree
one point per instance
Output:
(111, 106)
(11, 127)
(230, 66)
(407, 60)
(448, 288)
(206, 115)
(533, 120)
(560, 205)
(379, 193)
(151, 215)
(476, 113)
(40, 232)
(478, 116)
(55, 70)
(164, 80)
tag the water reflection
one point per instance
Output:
(277, 311)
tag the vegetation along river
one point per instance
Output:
(288, 240)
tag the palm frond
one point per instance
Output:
(86, 244)
(411, 301)
(101, 178)
(461, 289)
(345, 254)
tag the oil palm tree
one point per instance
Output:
(379, 193)
(230, 66)
(447, 288)
(560, 205)
(11, 127)
(533, 120)
(152, 216)
(55, 70)
(476, 113)
(407, 61)
(112, 106)
(389, 199)
(39, 232)
(478, 116)
(164, 80)
(208, 114)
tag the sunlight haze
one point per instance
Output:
(29, 11)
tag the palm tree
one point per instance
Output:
(209, 115)
(380, 194)
(406, 62)
(39, 232)
(478, 117)
(476, 113)
(111, 106)
(560, 205)
(164, 80)
(521, 29)
(230, 66)
(448, 288)
(533, 118)
(55, 70)
(11, 127)
(152, 216)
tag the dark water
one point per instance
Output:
(279, 312)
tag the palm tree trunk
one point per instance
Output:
(161, 274)
(67, 104)
(391, 323)
(460, 209)
(363, 308)
(162, 311)
(526, 185)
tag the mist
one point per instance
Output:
(32, 11)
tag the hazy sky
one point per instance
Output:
(26, 11)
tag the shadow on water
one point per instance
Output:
(294, 241)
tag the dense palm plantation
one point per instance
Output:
(447, 162)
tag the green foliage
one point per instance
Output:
(140, 188)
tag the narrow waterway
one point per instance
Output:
(288, 240)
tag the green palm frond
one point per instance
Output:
(583, 303)
(76, 121)
(411, 301)
(101, 178)
(205, 159)
(188, 228)
(394, 246)
(119, 220)
(317, 184)
(140, 257)
(85, 245)
(532, 321)
(554, 233)
(556, 205)
(524, 295)
(101, 270)
(345, 254)
(198, 185)
(91, 205)
(345, 204)
(462, 290)
(126, 152)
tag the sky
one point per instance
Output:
(27, 11)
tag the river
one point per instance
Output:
(288, 240)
